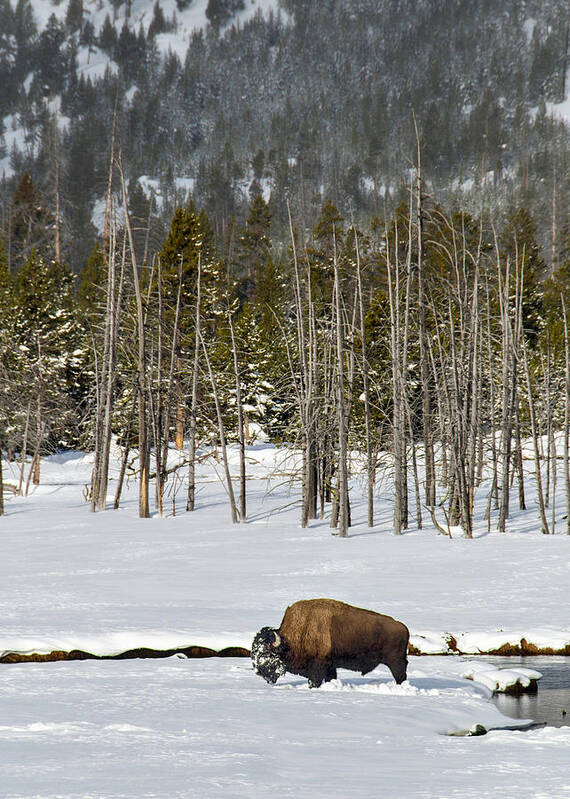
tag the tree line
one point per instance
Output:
(424, 348)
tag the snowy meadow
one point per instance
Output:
(109, 582)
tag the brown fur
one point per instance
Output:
(320, 635)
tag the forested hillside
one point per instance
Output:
(342, 223)
(305, 101)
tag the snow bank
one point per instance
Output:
(501, 680)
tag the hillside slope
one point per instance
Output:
(225, 98)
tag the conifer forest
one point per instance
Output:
(342, 227)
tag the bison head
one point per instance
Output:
(266, 651)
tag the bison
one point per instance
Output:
(317, 636)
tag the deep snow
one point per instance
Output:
(109, 581)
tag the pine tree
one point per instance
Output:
(254, 247)
(25, 29)
(108, 36)
(51, 59)
(7, 344)
(158, 23)
(8, 54)
(74, 16)
(90, 292)
(31, 226)
(179, 253)
(6, 362)
(520, 245)
(219, 11)
(328, 236)
(49, 338)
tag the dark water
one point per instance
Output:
(552, 697)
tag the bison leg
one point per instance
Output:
(331, 674)
(399, 670)
(319, 673)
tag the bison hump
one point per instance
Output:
(307, 628)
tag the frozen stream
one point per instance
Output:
(552, 697)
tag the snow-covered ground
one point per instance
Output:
(108, 582)
(140, 12)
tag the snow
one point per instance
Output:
(93, 63)
(529, 26)
(99, 210)
(141, 12)
(500, 680)
(206, 728)
(561, 110)
(109, 581)
(14, 135)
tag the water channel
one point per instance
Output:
(552, 698)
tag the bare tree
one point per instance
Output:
(510, 338)
(422, 322)
(1, 482)
(241, 426)
(534, 433)
(566, 448)
(106, 377)
(142, 391)
(221, 434)
(192, 433)
(305, 388)
(341, 409)
(370, 454)
(399, 359)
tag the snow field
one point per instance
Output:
(211, 728)
(110, 581)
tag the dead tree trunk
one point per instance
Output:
(191, 500)
(1, 483)
(144, 449)
(222, 435)
(508, 382)
(24, 448)
(341, 410)
(398, 391)
(422, 321)
(566, 447)
(241, 426)
(308, 502)
(534, 432)
(107, 379)
(370, 455)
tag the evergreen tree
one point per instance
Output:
(31, 225)
(8, 54)
(179, 253)
(328, 237)
(90, 292)
(74, 16)
(87, 37)
(254, 247)
(50, 340)
(269, 311)
(158, 23)
(25, 30)
(520, 246)
(51, 59)
(10, 355)
(108, 36)
(219, 12)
